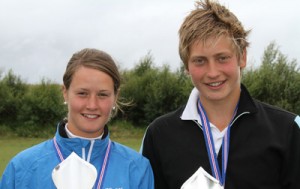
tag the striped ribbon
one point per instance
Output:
(105, 161)
(212, 156)
(104, 165)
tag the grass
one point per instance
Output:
(121, 132)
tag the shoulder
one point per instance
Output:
(25, 163)
(36, 150)
(128, 156)
(126, 153)
(273, 115)
(28, 157)
(134, 167)
(264, 112)
(274, 111)
(169, 118)
(170, 124)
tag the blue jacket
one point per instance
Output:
(32, 168)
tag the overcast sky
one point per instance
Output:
(38, 37)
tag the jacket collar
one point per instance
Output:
(63, 133)
(190, 111)
(69, 145)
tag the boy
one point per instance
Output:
(241, 142)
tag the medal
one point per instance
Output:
(104, 165)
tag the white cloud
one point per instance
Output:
(38, 37)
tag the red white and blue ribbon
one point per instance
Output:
(103, 169)
(104, 164)
(212, 156)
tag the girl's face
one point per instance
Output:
(90, 99)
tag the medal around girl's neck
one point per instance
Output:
(74, 173)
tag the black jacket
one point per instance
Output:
(264, 148)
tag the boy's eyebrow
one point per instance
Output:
(197, 56)
(221, 53)
(200, 56)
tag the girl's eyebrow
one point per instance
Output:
(100, 90)
(81, 89)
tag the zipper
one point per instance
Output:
(244, 113)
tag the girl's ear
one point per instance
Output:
(64, 91)
(117, 96)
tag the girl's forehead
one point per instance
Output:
(90, 76)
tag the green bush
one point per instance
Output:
(34, 110)
(154, 91)
(12, 94)
(27, 109)
(43, 105)
(276, 81)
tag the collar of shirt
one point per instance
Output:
(71, 135)
(190, 112)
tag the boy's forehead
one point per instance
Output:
(214, 41)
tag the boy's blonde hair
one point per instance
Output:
(210, 19)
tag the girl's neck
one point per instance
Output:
(71, 135)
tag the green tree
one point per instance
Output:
(276, 81)
(43, 105)
(154, 91)
(28, 109)
(12, 91)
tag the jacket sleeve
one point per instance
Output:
(141, 174)
(147, 180)
(291, 166)
(149, 150)
(8, 178)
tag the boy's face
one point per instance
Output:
(215, 69)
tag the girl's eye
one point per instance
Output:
(103, 95)
(82, 94)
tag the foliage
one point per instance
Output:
(276, 81)
(28, 109)
(33, 110)
(154, 91)
(11, 96)
(42, 105)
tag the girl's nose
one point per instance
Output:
(92, 103)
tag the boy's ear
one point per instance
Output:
(243, 59)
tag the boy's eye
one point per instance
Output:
(223, 58)
(198, 61)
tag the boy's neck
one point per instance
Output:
(220, 113)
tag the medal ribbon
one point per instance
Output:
(105, 161)
(212, 156)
